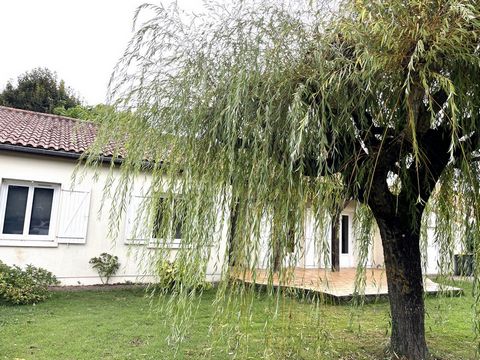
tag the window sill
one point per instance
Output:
(164, 246)
(136, 242)
(154, 244)
(160, 244)
(28, 243)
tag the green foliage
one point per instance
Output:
(106, 266)
(90, 113)
(28, 286)
(169, 276)
(282, 109)
(38, 90)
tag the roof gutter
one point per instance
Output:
(54, 153)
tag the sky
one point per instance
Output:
(81, 40)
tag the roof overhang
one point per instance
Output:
(53, 153)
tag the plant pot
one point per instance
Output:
(464, 265)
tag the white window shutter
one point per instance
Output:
(136, 223)
(74, 211)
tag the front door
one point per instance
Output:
(345, 239)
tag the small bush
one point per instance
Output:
(106, 266)
(28, 286)
(167, 273)
(171, 277)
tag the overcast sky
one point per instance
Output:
(79, 39)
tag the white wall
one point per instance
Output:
(314, 247)
(69, 262)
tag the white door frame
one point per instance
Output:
(347, 259)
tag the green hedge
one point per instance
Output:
(24, 286)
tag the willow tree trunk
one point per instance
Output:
(401, 248)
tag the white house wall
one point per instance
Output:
(376, 252)
(313, 250)
(70, 262)
(432, 261)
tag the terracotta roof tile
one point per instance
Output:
(45, 131)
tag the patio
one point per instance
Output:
(341, 284)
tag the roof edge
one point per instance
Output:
(54, 153)
(37, 113)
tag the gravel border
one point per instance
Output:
(98, 287)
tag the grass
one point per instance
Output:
(120, 324)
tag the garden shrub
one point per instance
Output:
(170, 277)
(28, 286)
(106, 266)
(167, 273)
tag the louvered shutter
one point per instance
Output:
(74, 212)
(137, 224)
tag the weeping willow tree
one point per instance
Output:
(257, 111)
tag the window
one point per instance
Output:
(172, 215)
(290, 245)
(345, 234)
(27, 210)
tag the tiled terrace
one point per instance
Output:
(339, 284)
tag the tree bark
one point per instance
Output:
(401, 250)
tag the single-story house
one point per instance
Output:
(47, 222)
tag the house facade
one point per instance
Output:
(48, 221)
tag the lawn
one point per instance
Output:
(121, 324)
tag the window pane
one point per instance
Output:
(41, 211)
(158, 219)
(178, 220)
(345, 240)
(178, 228)
(15, 209)
(165, 209)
